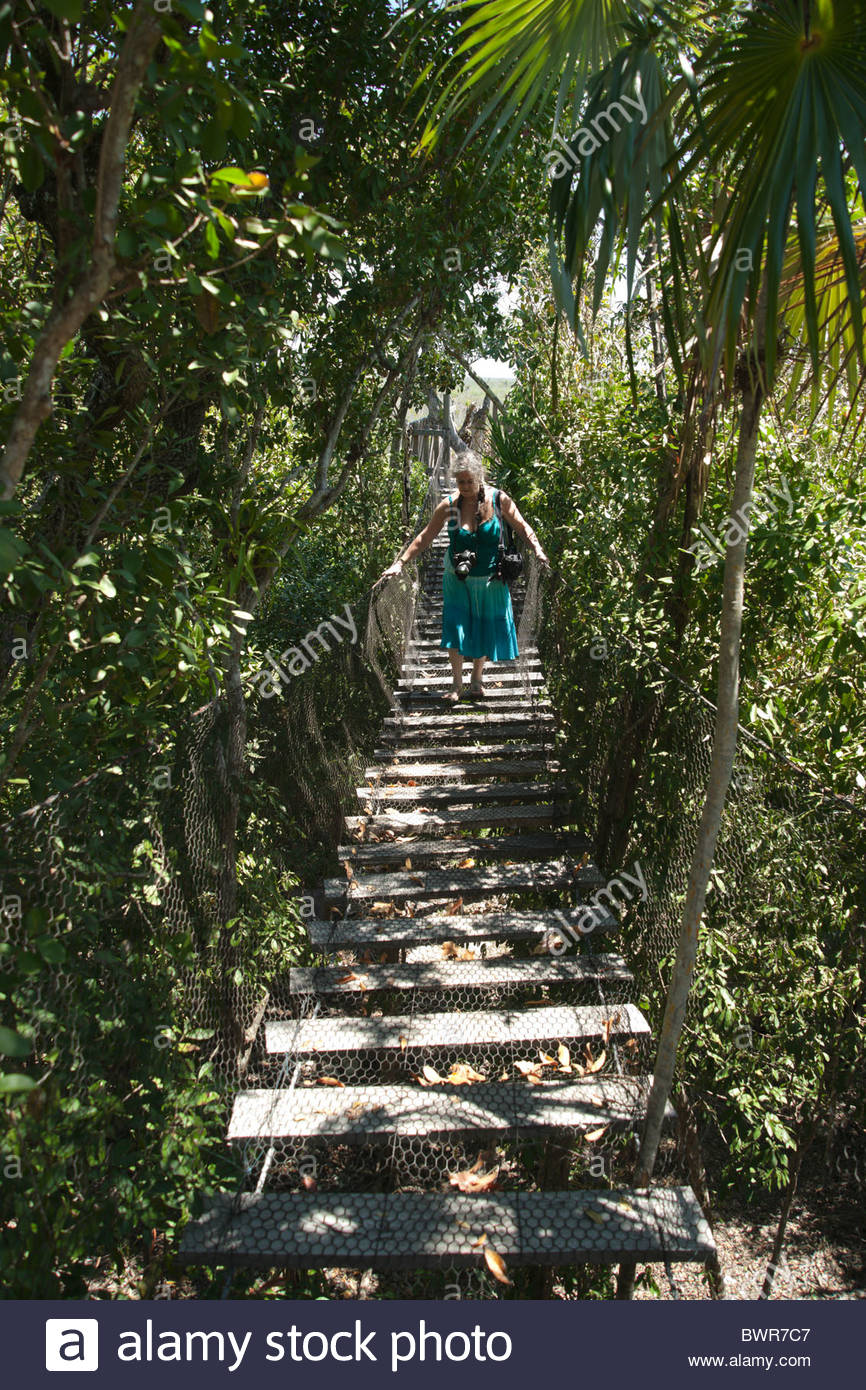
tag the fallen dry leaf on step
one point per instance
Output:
(344, 979)
(329, 1081)
(404, 1043)
(350, 872)
(496, 1265)
(454, 907)
(461, 1074)
(431, 1076)
(596, 1134)
(310, 1183)
(383, 909)
(607, 1023)
(417, 878)
(466, 864)
(563, 1057)
(470, 1181)
(482, 1239)
(408, 864)
(546, 1058)
(531, 1071)
(599, 1061)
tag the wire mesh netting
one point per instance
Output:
(425, 868)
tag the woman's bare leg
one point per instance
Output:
(456, 659)
(477, 673)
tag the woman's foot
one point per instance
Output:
(476, 690)
(452, 696)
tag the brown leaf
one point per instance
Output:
(344, 979)
(546, 1058)
(482, 1239)
(404, 1043)
(496, 1265)
(329, 1081)
(461, 1074)
(466, 864)
(431, 1075)
(417, 878)
(454, 907)
(408, 863)
(599, 1061)
(596, 1134)
(563, 1057)
(469, 1181)
(310, 1183)
(350, 872)
(383, 909)
(449, 950)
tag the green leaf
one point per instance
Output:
(10, 551)
(65, 9)
(107, 587)
(15, 1082)
(13, 1045)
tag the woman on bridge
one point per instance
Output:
(477, 617)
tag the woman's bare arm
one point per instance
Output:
(521, 526)
(422, 541)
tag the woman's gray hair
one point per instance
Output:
(468, 462)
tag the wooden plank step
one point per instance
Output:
(426, 1230)
(403, 1033)
(359, 933)
(375, 1114)
(461, 793)
(497, 973)
(439, 851)
(470, 769)
(415, 885)
(443, 822)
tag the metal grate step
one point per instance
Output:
(433, 822)
(472, 770)
(481, 973)
(375, 1114)
(478, 882)
(396, 852)
(451, 728)
(421, 1230)
(490, 1027)
(461, 793)
(460, 928)
(460, 750)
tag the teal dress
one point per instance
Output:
(477, 617)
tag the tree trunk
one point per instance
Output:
(724, 749)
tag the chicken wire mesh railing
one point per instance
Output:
(123, 969)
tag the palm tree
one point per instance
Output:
(770, 116)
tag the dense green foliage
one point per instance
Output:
(220, 468)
